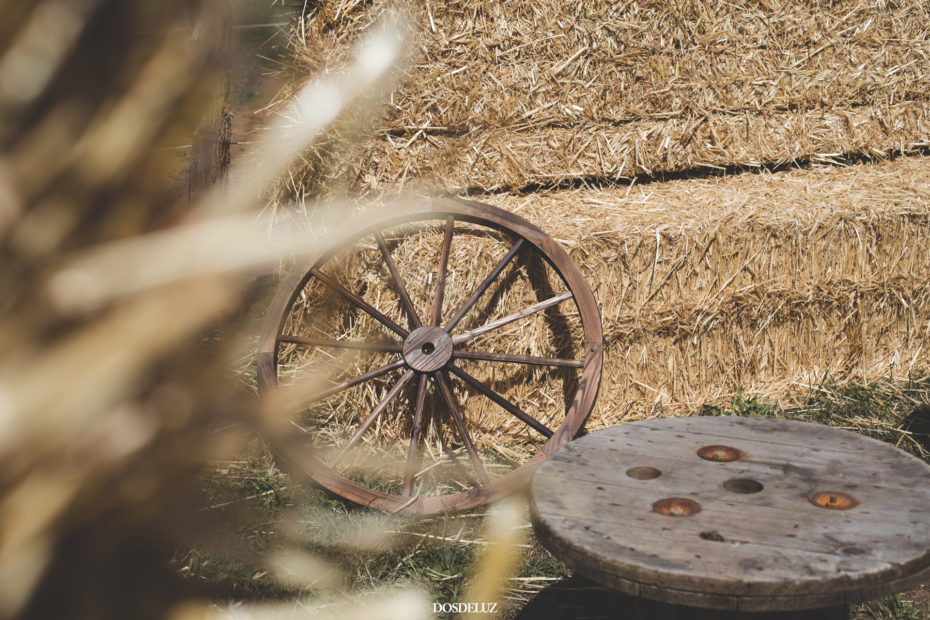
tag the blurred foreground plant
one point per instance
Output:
(111, 388)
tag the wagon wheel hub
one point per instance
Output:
(404, 355)
(427, 349)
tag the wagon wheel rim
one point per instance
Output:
(430, 351)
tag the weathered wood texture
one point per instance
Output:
(209, 159)
(743, 551)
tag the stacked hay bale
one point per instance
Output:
(507, 95)
(770, 282)
(765, 280)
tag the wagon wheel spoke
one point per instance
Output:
(500, 400)
(510, 318)
(413, 351)
(413, 453)
(398, 282)
(446, 390)
(381, 347)
(378, 410)
(483, 287)
(519, 359)
(443, 268)
(358, 301)
(371, 374)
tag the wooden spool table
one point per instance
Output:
(745, 515)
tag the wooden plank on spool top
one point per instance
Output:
(804, 516)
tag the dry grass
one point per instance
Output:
(508, 95)
(764, 281)
(767, 282)
(440, 552)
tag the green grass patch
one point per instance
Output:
(890, 411)
(891, 608)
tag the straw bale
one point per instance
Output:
(508, 95)
(762, 281)
(768, 282)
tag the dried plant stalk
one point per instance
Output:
(764, 281)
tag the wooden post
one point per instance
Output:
(210, 145)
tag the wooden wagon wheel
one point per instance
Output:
(455, 365)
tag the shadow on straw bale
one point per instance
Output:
(519, 94)
(763, 281)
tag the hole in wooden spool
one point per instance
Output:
(676, 507)
(723, 454)
(833, 500)
(743, 485)
(428, 348)
(643, 473)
